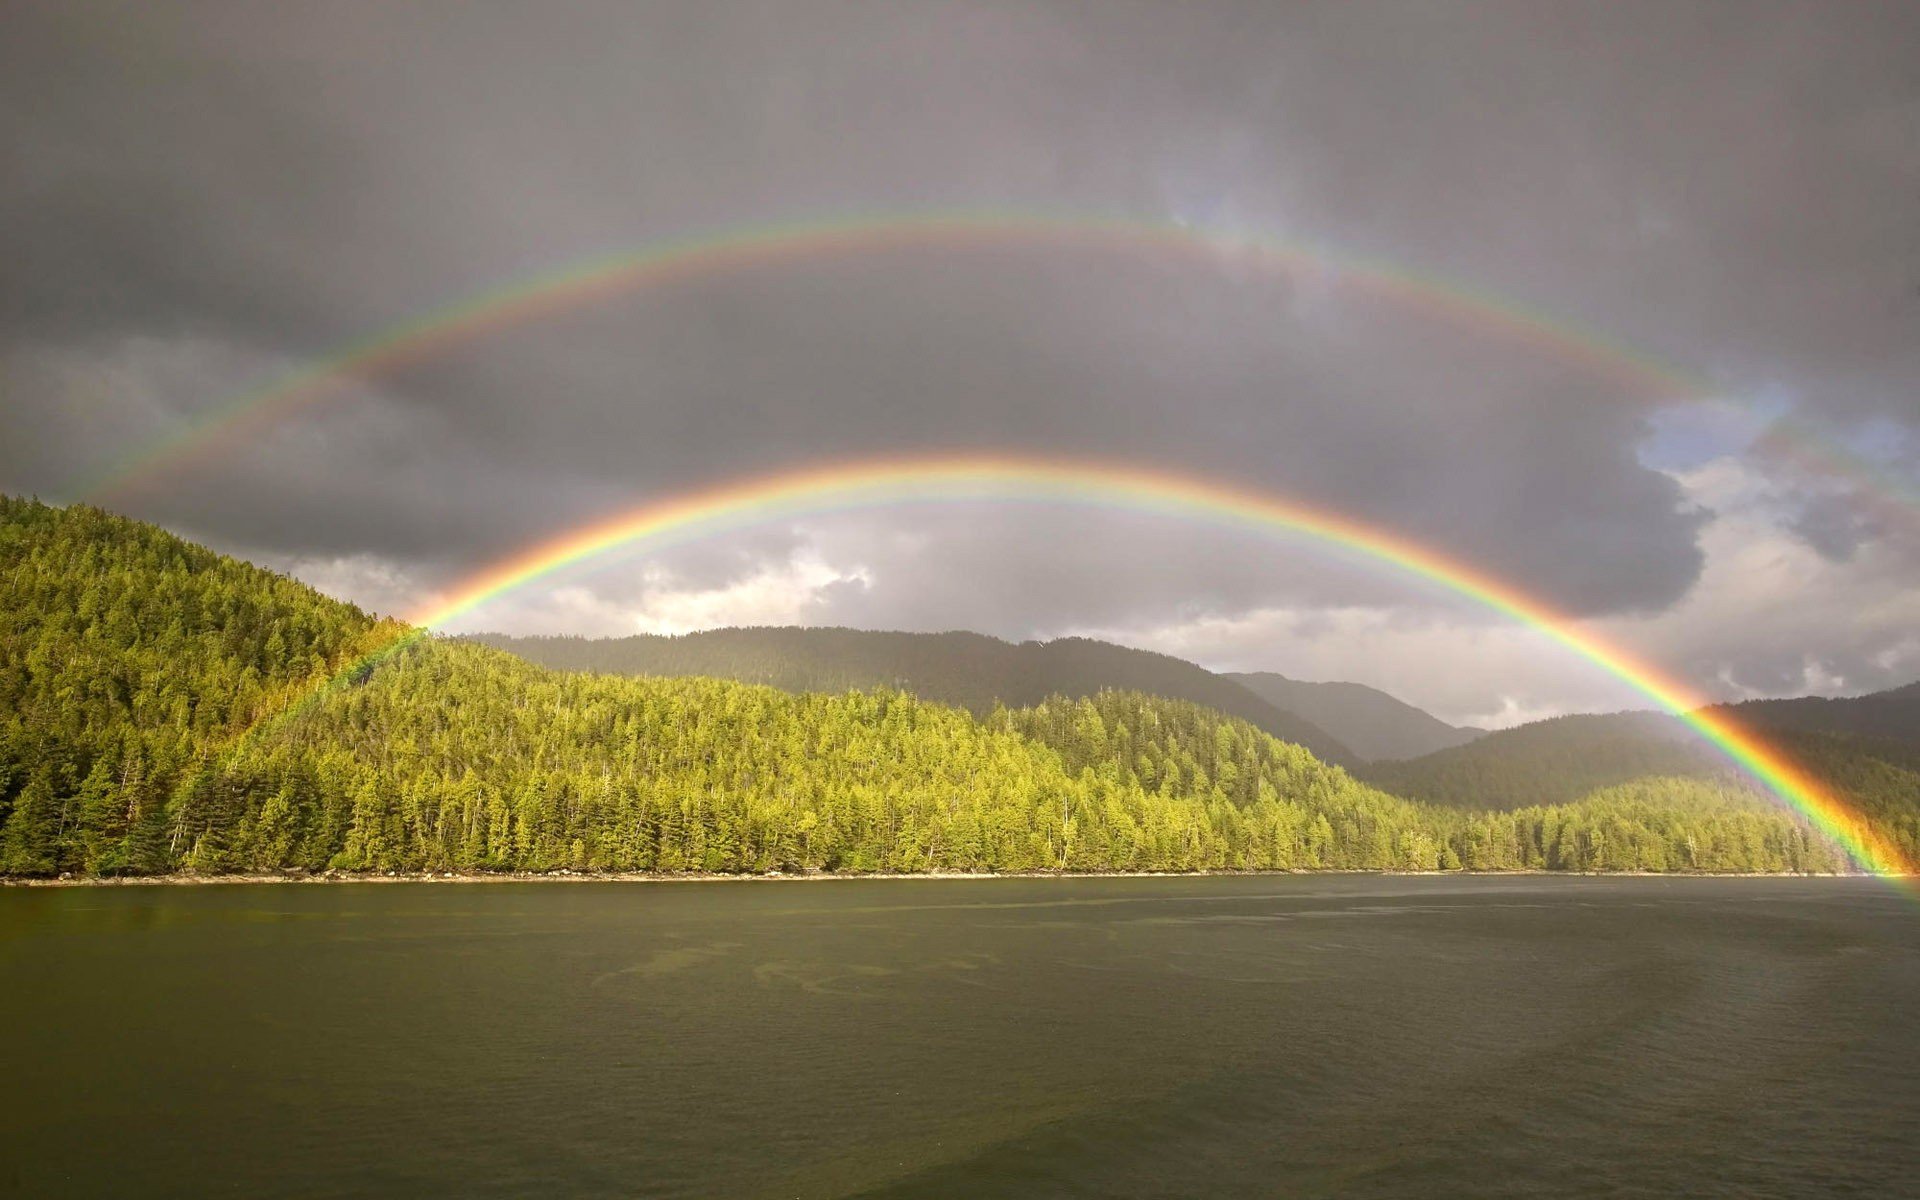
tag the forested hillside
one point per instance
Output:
(1367, 721)
(1563, 757)
(970, 670)
(1551, 761)
(1315, 817)
(127, 656)
(1558, 761)
(1883, 717)
(135, 671)
(1878, 778)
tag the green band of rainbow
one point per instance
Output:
(766, 246)
(893, 481)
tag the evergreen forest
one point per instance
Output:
(166, 709)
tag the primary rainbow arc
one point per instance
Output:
(874, 483)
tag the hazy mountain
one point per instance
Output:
(971, 670)
(1550, 762)
(1368, 721)
(1891, 716)
(1553, 761)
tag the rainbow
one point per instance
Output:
(868, 484)
(763, 246)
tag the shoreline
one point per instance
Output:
(571, 876)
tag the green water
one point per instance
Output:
(1351, 1036)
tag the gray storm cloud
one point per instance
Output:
(200, 197)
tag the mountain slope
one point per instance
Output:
(166, 708)
(1889, 716)
(1546, 762)
(163, 708)
(970, 670)
(1568, 758)
(1369, 722)
(1551, 762)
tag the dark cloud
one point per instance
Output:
(201, 197)
(1833, 526)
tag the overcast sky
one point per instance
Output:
(199, 198)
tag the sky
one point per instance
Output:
(201, 198)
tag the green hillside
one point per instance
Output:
(1559, 761)
(1561, 758)
(1890, 718)
(970, 670)
(1369, 722)
(133, 665)
(1552, 761)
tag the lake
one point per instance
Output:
(1297, 1035)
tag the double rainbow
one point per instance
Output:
(869, 484)
(893, 481)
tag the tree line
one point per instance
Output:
(162, 713)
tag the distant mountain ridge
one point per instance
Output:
(1892, 715)
(1372, 723)
(1871, 744)
(970, 670)
(1551, 762)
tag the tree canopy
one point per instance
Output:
(162, 710)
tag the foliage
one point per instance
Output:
(162, 711)
(970, 670)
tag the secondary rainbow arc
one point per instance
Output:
(762, 246)
(1139, 488)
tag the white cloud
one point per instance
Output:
(651, 597)
(786, 594)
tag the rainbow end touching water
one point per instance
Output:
(760, 247)
(877, 483)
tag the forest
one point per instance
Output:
(968, 670)
(170, 710)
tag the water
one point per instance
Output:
(1307, 1036)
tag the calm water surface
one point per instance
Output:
(1309, 1036)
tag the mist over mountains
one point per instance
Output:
(1372, 723)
